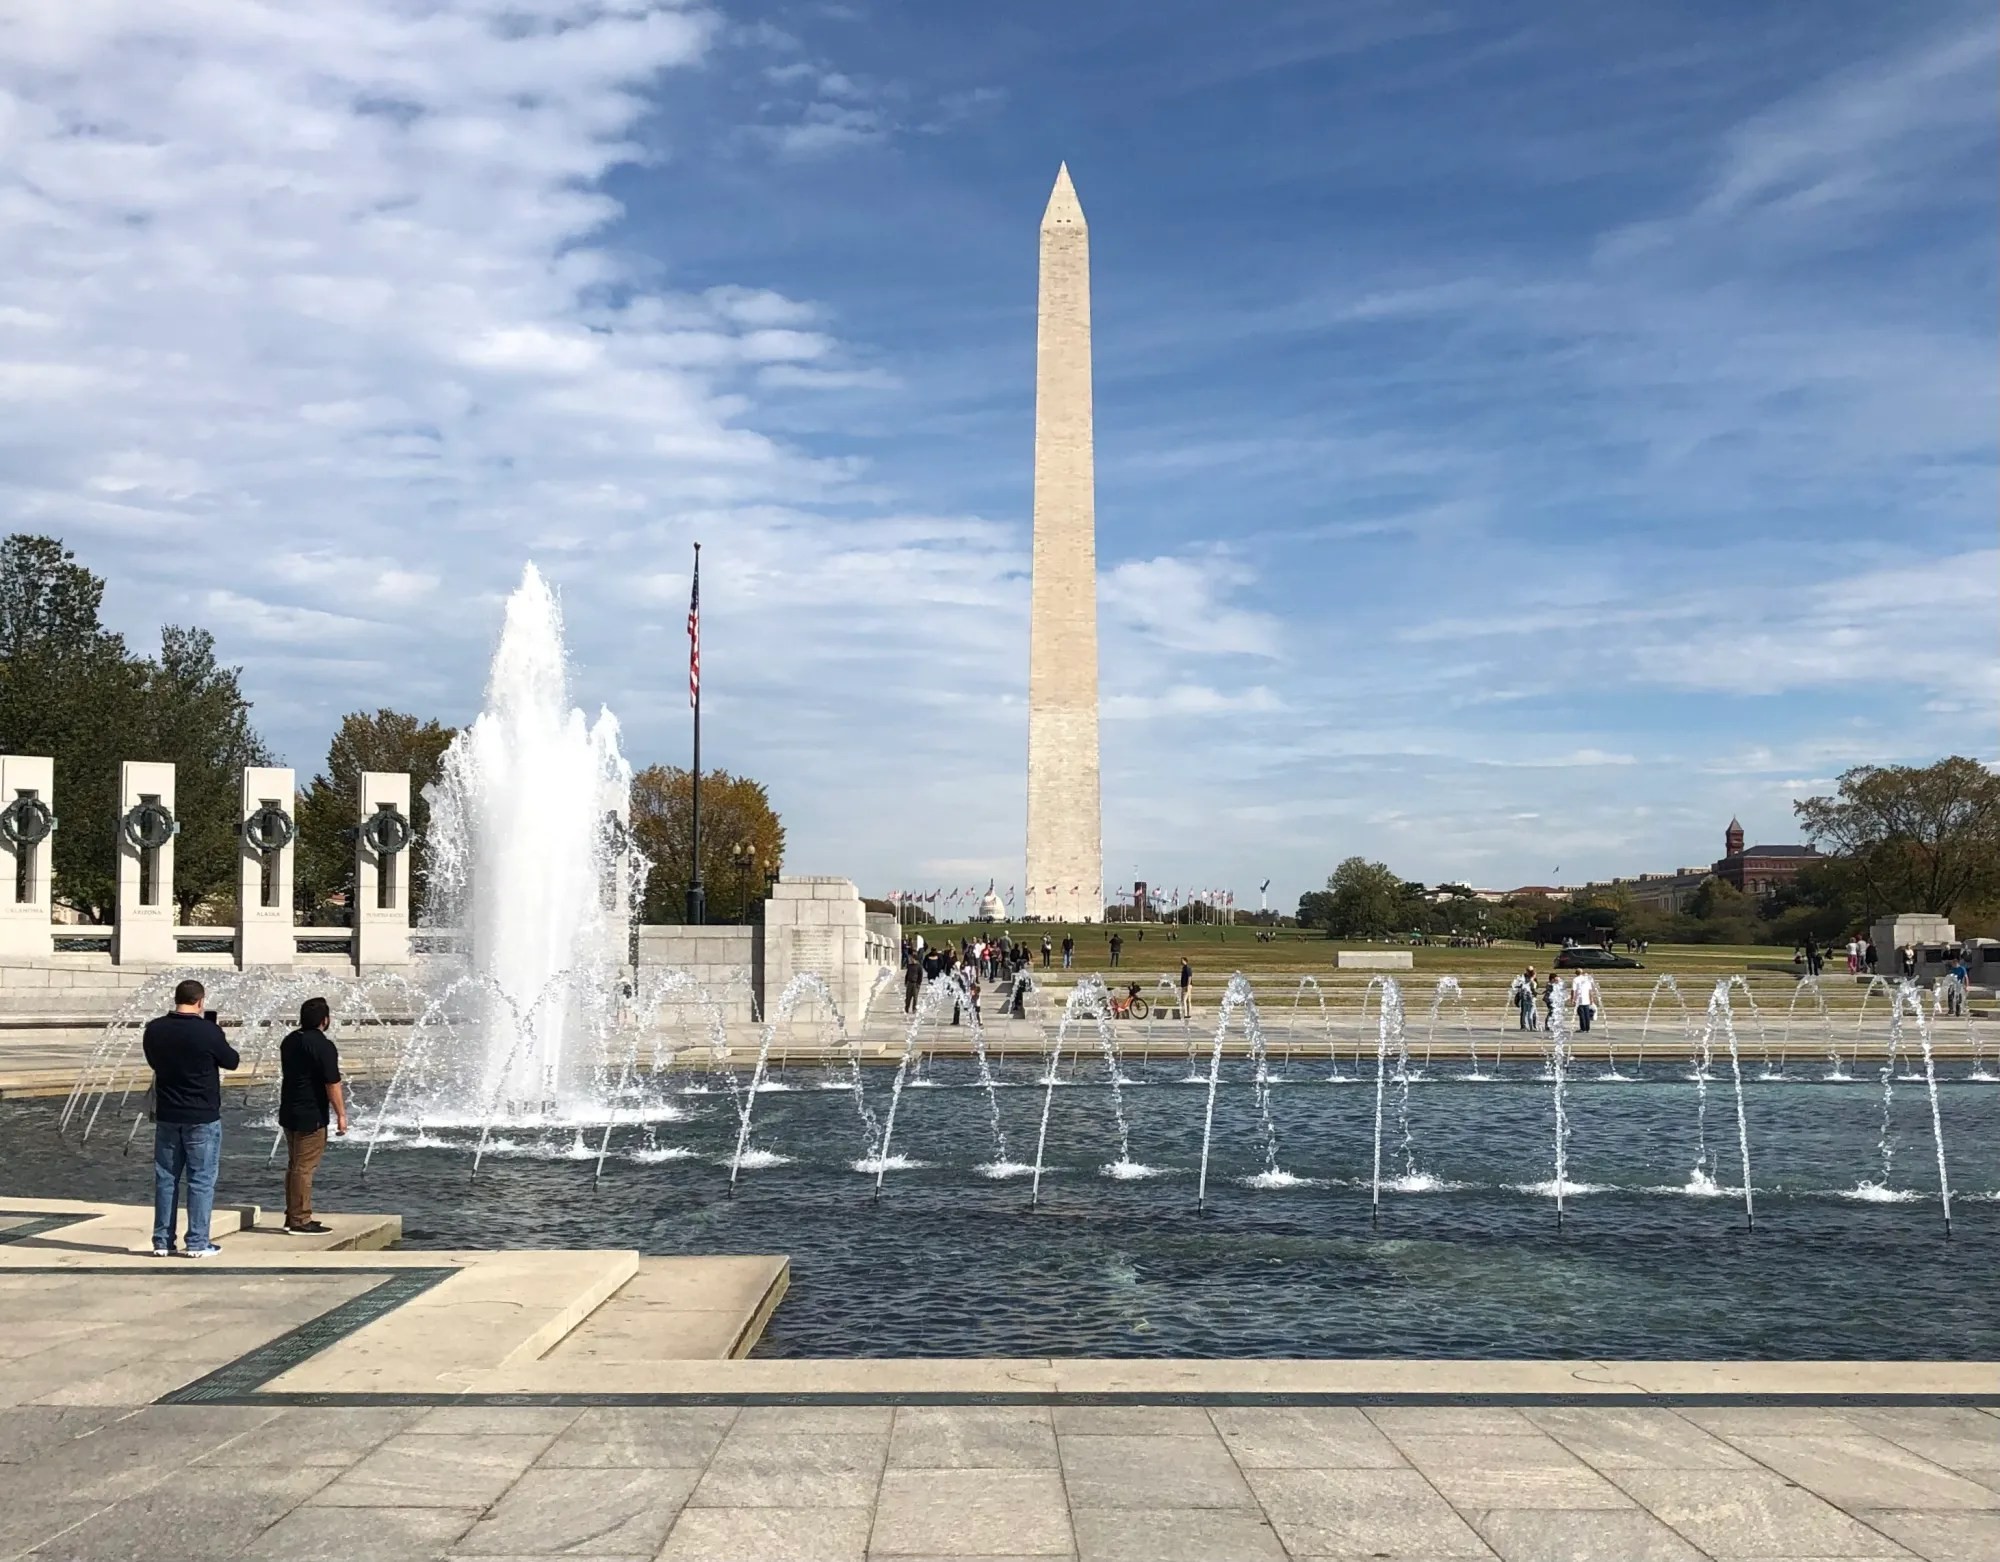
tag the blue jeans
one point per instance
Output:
(193, 1151)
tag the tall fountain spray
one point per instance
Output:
(530, 861)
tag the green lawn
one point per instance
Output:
(1214, 951)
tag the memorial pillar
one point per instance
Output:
(27, 850)
(382, 842)
(143, 928)
(268, 831)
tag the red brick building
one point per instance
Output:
(1759, 870)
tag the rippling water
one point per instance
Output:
(1465, 1259)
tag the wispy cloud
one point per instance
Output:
(1182, 604)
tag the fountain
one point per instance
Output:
(1811, 987)
(1719, 1016)
(1237, 995)
(1742, 985)
(1388, 1024)
(1310, 984)
(808, 985)
(1558, 1071)
(1448, 987)
(1909, 998)
(1666, 984)
(1701, 1180)
(531, 859)
(1876, 984)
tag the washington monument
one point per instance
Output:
(1065, 830)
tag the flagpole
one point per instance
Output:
(697, 896)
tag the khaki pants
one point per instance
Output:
(304, 1151)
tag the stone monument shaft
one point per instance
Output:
(1065, 832)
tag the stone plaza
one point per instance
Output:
(346, 1404)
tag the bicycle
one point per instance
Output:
(1134, 1007)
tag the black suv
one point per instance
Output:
(1596, 960)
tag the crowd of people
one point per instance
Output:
(1535, 1002)
(978, 959)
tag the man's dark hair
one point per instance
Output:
(313, 1014)
(188, 991)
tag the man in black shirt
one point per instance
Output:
(186, 1051)
(310, 1086)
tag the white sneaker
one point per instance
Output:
(211, 1251)
(163, 1252)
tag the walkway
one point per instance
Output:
(1106, 1484)
(351, 1406)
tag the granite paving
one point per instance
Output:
(951, 1483)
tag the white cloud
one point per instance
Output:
(344, 577)
(338, 290)
(785, 376)
(257, 620)
(1574, 759)
(759, 307)
(1190, 699)
(1179, 603)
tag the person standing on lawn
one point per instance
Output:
(186, 1051)
(309, 1092)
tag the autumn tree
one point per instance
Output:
(1915, 837)
(742, 841)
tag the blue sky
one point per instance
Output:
(1527, 434)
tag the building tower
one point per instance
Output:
(1065, 830)
(1732, 840)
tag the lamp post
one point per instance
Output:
(744, 856)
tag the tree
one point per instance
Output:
(47, 599)
(1919, 838)
(386, 740)
(1366, 899)
(735, 812)
(1824, 900)
(1509, 920)
(1315, 908)
(1723, 914)
(68, 689)
(194, 717)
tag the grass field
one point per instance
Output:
(1216, 951)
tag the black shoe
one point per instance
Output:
(311, 1228)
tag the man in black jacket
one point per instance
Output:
(309, 1090)
(186, 1051)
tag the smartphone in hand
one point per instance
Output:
(209, 1015)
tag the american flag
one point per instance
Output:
(694, 633)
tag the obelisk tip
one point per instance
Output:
(1063, 207)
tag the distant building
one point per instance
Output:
(1668, 893)
(1760, 870)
